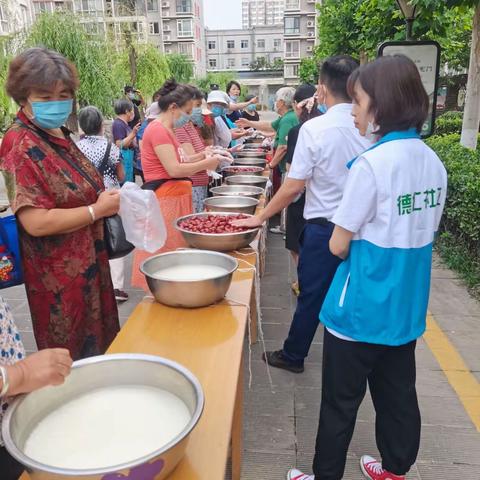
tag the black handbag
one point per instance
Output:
(116, 242)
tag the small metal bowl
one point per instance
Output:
(250, 154)
(252, 180)
(232, 204)
(99, 372)
(254, 140)
(250, 162)
(241, 170)
(220, 242)
(188, 294)
(237, 190)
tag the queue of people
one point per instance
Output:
(350, 158)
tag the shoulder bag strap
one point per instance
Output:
(62, 154)
(106, 157)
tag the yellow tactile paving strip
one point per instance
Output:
(458, 374)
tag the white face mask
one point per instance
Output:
(369, 134)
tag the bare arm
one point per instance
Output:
(128, 140)
(166, 155)
(192, 156)
(340, 242)
(260, 125)
(42, 222)
(279, 154)
(120, 172)
(240, 106)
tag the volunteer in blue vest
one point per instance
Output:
(325, 145)
(377, 304)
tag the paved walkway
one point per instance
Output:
(281, 421)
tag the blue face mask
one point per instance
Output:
(233, 98)
(218, 111)
(182, 121)
(52, 114)
(322, 108)
(197, 117)
(252, 107)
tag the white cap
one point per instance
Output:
(217, 96)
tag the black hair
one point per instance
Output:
(398, 99)
(249, 97)
(196, 93)
(174, 93)
(231, 84)
(128, 88)
(123, 106)
(334, 74)
(303, 92)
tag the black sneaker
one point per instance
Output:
(120, 295)
(277, 359)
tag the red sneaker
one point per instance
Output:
(373, 470)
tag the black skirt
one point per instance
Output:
(295, 224)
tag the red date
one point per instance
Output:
(213, 224)
(240, 170)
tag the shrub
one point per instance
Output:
(448, 123)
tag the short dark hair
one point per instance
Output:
(172, 92)
(231, 84)
(334, 73)
(398, 100)
(249, 97)
(302, 93)
(90, 120)
(196, 93)
(39, 68)
(122, 106)
(128, 88)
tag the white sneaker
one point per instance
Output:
(295, 474)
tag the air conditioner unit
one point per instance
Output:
(311, 1)
(165, 4)
(166, 28)
(168, 51)
(311, 34)
(310, 24)
(310, 49)
(166, 38)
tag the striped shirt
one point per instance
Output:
(189, 134)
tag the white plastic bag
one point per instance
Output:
(142, 218)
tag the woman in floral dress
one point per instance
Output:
(59, 214)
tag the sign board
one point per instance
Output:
(426, 56)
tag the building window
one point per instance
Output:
(292, 25)
(277, 43)
(244, 44)
(154, 28)
(292, 49)
(84, 6)
(212, 63)
(184, 6)
(186, 49)
(291, 71)
(292, 4)
(184, 28)
(245, 62)
(212, 44)
(230, 43)
(231, 63)
(39, 7)
(260, 43)
(152, 5)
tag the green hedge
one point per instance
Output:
(448, 123)
(460, 230)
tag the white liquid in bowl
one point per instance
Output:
(107, 427)
(190, 273)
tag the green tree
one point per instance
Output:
(65, 34)
(181, 67)
(308, 71)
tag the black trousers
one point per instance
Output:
(390, 373)
(10, 469)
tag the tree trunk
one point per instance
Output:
(471, 116)
(363, 57)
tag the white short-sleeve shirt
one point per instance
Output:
(325, 145)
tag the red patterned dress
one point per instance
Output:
(67, 276)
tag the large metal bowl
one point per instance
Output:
(188, 294)
(252, 180)
(220, 242)
(238, 190)
(241, 170)
(99, 372)
(250, 162)
(251, 154)
(254, 140)
(232, 204)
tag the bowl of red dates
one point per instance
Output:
(214, 231)
(233, 204)
(252, 180)
(241, 170)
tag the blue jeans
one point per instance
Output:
(316, 268)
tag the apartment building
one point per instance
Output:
(237, 49)
(259, 13)
(300, 26)
(15, 16)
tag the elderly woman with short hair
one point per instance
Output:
(105, 156)
(59, 213)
